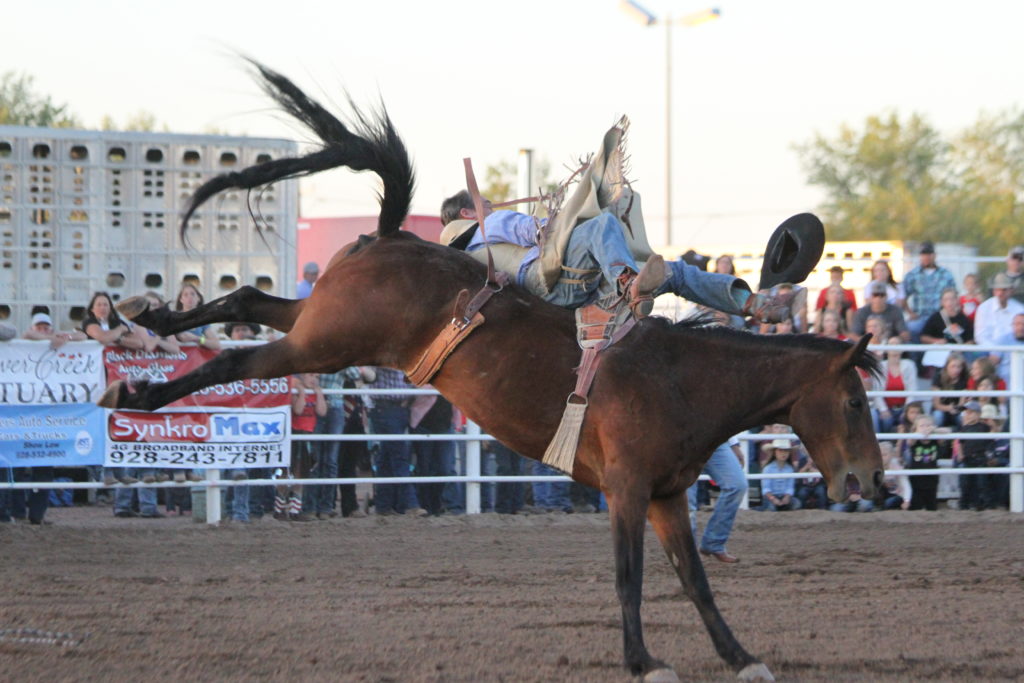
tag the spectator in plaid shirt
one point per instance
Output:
(389, 414)
(922, 290)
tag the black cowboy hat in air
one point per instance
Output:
(793, 250)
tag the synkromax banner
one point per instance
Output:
(242, 424)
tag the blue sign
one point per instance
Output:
(67, 435)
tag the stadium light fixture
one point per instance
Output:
(642, 15)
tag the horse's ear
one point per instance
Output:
(854, 353)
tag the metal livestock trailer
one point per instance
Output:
(82, 211)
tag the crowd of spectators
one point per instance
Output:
(313, 412)
(926, 308)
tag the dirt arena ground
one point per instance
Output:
(819, 596)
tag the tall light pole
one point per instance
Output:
(645, 17)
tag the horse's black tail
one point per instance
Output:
(372, 145)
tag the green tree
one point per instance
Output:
(500, 180)
(142, 121)
(989, 159)
(20, 105)
(901, 180)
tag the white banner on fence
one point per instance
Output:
(221, 440)
(31, 373)
(242, 424)
(47, 415)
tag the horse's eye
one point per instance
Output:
(856, 403)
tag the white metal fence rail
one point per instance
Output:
(473, 479)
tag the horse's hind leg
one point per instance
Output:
(276, 359)
(244, 305)
(626, 510)
(671, 520)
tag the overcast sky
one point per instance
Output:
(483, 79)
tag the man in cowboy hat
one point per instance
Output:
(592, 247)
(597, 261)
(1015, 273)
(994, 318)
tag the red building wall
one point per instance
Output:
(320, 238)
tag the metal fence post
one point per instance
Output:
(745, 501)
(1016, 427)
(213, 512)
(472, 470)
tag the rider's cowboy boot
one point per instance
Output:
(638, 290)
(777, 304)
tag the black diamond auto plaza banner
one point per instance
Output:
(242, 424)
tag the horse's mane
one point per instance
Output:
(368, 143)
(699, 325)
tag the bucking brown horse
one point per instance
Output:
(664, 397)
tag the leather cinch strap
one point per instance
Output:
(561, 450)
(591, 359)
(466, 317)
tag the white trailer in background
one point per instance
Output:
(82, 211)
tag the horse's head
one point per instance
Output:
(833, 419)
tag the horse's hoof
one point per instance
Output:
(755, 672)
(665, 675)
(111, 398)
(132, 307)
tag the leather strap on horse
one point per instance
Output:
(561, 451)
(466, 317)
(521, 200)
(478, 206)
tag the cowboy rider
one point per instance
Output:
(598, 260)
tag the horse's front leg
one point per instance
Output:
(671, 520)
(627, 512)
(244, 305)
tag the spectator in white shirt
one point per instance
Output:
(994, 318)
(1015, 337)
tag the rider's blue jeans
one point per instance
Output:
(722, 292)
(599, 245)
